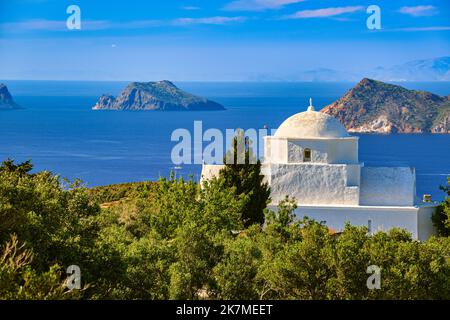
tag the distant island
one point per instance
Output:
(434, 69)
(377, 107)
(6, 100)
(159, 95)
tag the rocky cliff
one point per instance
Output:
(6, 100)
(160, 95)
(378, 107)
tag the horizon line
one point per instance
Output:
(226, 81)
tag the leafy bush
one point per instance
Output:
(441, 218)
(181, 241)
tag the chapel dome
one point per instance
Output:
(311, 124)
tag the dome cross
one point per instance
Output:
(310, 108)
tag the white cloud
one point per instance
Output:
(208, 20)
(135, 24)
(35, 24)
(258, 5)
(60, 25)
(90, 25)
(324, 13)
(419, 11)
(190, 8)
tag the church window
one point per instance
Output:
(307, 155)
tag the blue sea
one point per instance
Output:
(60, 133)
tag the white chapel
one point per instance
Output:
(313, 159)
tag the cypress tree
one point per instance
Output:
(243, 171)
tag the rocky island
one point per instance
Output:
(6, 100)
(377, 107)
(160, 95)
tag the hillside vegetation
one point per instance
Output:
(171, 239)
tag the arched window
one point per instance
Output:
(307, 155)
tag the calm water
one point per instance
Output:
(60, 133)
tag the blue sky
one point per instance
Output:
(204, 40)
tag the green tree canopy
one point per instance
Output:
(441, 218)
(243, 173)
(171, 239)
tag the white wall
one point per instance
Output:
(275, 150)
(335, 151)
(210, 171)
(382, 218)
(353, 174)
(343, 150)
(312, 183)
(384, 186)
(332, 201)
(425, 228)
(319, 151)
